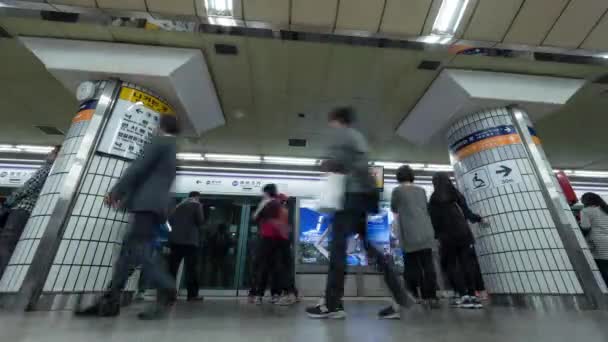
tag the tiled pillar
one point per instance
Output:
(522, 253)
(70, 248)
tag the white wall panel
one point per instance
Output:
(492, 19)
(405, 17)
(177, 7)
(598, 39)
(576, 22)
(534, 21)
(135, 5)
(363, 15)
(271, 11)
(320, 13)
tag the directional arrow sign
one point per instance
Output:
(505, 171)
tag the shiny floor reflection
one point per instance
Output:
(228, 320)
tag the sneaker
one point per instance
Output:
(286, 300)
(258, 300)
(321, 311)
(275, 299)
(389, 313)
(477, 304)
(466, 302)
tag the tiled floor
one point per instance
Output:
(224, 320)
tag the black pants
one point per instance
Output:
(460, 267)
(189, 254)
(270, 265)
(9, 237)
(346, 222)
(138, 251)
(420, 270)
(603, 266)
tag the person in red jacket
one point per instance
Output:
(269, 260)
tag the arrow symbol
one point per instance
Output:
(139, 110)
(504, 171)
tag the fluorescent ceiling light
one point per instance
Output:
(591, 174)
(190, 156)
(449, 17)
(435, 39)
(395, 165)
(35, 149)
(235, 158)
(220, 8)
(438, 167)
(290, 160)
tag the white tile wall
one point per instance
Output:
(521, 252)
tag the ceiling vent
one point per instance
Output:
(429, 65)
(226, 49)
(50, 130)
(64, 17)
(297, 142)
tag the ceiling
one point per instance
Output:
(264, 88)
(553, 23)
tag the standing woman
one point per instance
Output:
(594, 222)
(268, 257)
(415, 231)
(449, 214)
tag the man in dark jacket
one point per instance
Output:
(184, 240)
(144, 191)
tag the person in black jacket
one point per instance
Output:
(449, 214)
(184, 241)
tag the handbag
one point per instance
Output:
(331, 197)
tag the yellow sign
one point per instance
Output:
(149, 101)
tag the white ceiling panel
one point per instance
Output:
(576, 22)
(134, 5)
(405, 17)
(534, 21)
(598, 39)
(320, 13)
(177, 7)
(81, 3)
(492, 19)
(271, 11)
(363, 15)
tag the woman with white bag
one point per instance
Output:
(349, 164)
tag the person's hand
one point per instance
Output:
(110, 201)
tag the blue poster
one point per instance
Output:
(314, 237)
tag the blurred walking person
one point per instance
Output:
(184, 240)
(144, 191)
(449, 214)
(20, 205)
(348, 156)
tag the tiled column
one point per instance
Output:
(522, 253)
(82, 236)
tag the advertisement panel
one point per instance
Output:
(314, 235)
